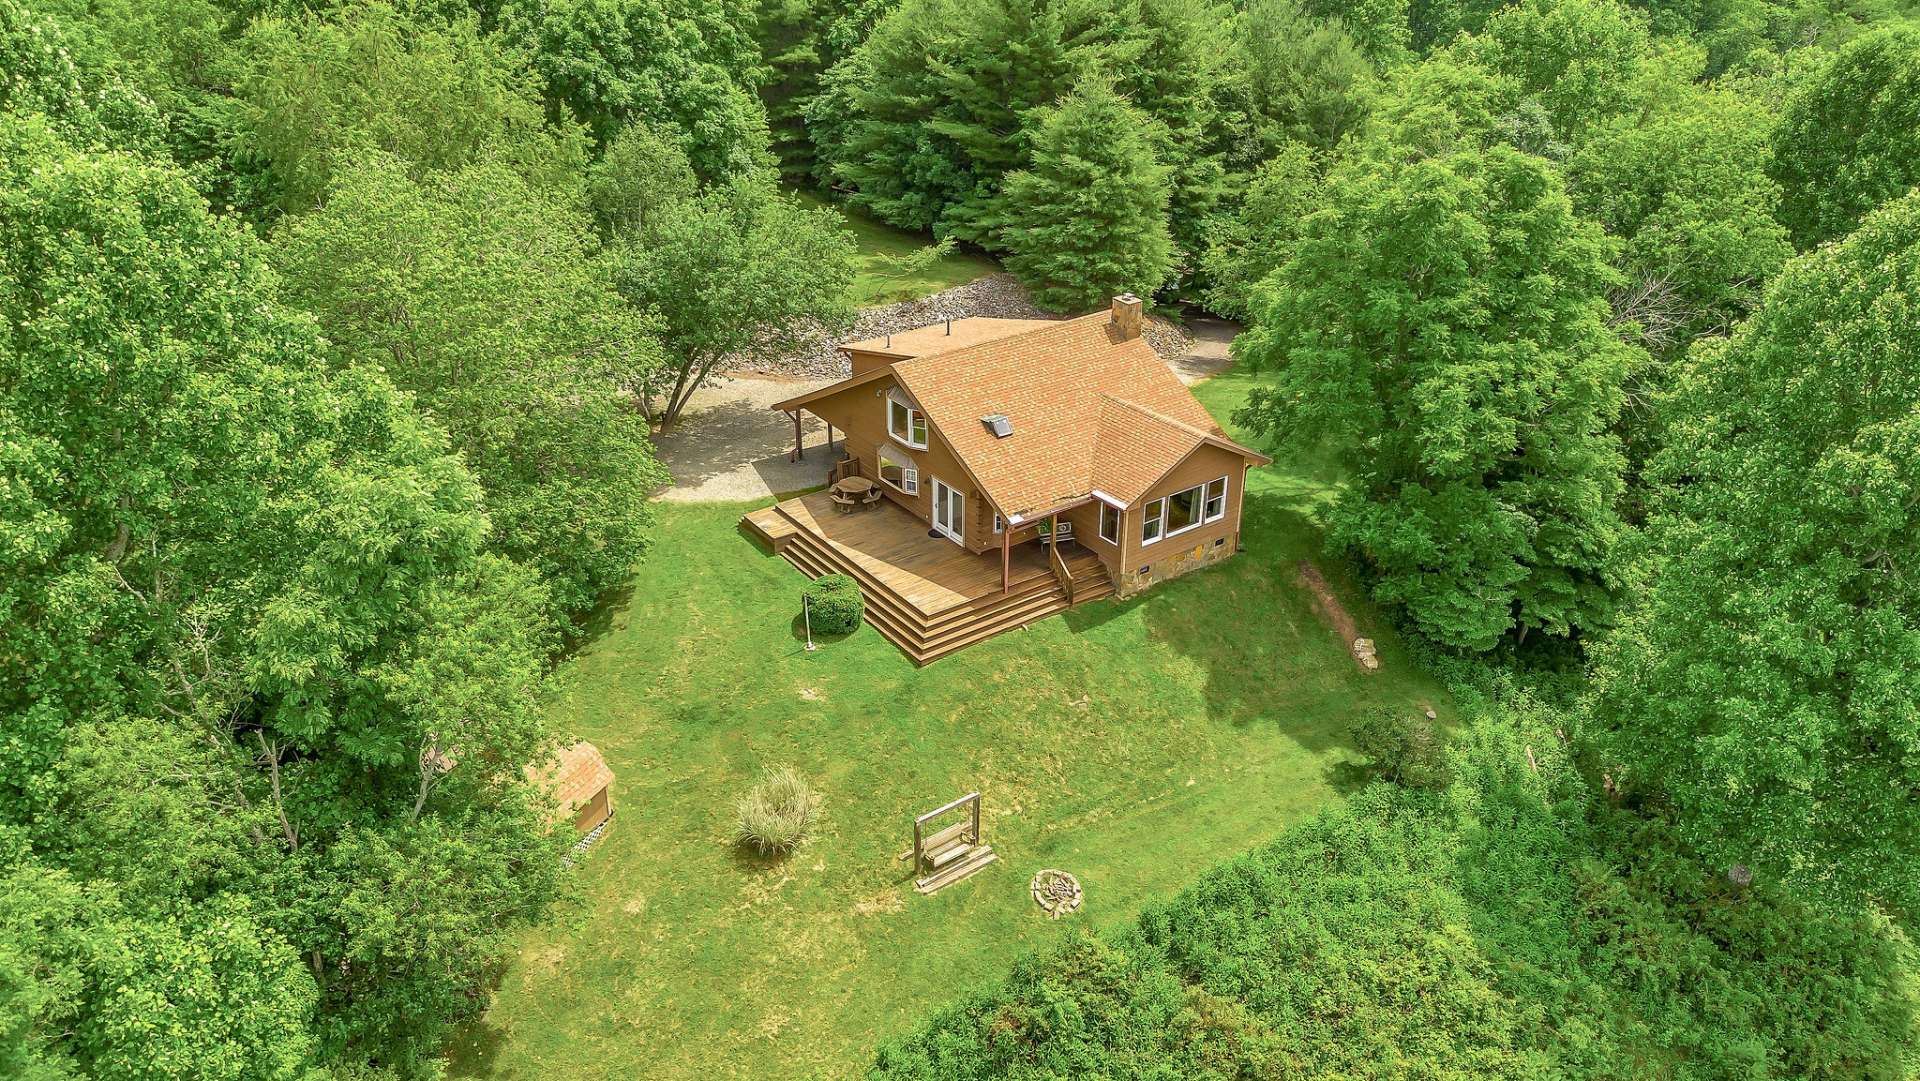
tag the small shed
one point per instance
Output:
(582, 785)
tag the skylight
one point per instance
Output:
(998, 424)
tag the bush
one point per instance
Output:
(834, 601)
(1405, 748)
(776, 814)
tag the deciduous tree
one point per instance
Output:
(1442, 324)
(1763, 687)
(743, 271)
(484, 296)
(1848, 140)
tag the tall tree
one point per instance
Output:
(248, 595)
(1577, 58)
(320, 88)
(744, 272)
(1848, 139)
(1763, 687)
(1442, 324)
(1686, 189)
(1250, 243)
(484, 297)
(1089, 220)
(642, 173)
(1299, 79)
(681, 66)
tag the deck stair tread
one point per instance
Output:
(926, 596)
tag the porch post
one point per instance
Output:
(1006, 556)
(799, 451)
(829, 437)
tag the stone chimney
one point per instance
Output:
(1126, 315)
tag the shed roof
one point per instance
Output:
(575, 777)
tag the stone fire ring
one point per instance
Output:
(1056, 892)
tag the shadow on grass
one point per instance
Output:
(475, 1049)
(1347, 777)
(819, 638)
(603, 617)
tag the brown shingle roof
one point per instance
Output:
(940, 337)
(1089, 408)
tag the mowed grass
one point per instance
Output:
(877, 277)
(1134, 744)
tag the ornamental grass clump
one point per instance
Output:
(777, 813)
(833, 604)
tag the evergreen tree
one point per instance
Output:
(1089, 220)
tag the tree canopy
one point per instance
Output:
(487, 299)
(1442, 326)
(1763, 685)
(245, 597)
(1847, 140)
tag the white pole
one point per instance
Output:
(806, 613)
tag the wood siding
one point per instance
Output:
(860, 413)
(1204, 464)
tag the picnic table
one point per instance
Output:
(849, 493)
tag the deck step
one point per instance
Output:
(925, 637)
(954, 872)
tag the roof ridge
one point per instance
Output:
(1159, 416)
(946, 354)
(1212, 437)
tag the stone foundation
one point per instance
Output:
(1176, 562)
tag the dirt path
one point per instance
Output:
(1208, 356)
(730, 446)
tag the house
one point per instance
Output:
(1022, 467)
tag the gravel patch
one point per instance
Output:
(993, 296)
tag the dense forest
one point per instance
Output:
(332, 336)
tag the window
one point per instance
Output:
(906, 423)
(1109, 524)
(999, 526)
(897, 469)
(1216, 500)
(1184, 510)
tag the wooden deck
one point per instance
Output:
(932, 574)
(926, 594)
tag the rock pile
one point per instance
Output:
(1057, 892)
(1364, 652)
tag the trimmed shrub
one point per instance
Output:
(1404, 747)
(834, 601)
(776, 813)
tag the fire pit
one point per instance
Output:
(1057, 892)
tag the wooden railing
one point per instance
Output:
(1059, 564)
(842, 469)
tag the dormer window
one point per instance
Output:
(906, 423)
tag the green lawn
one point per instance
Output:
(1134, 744)
(875, 282)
